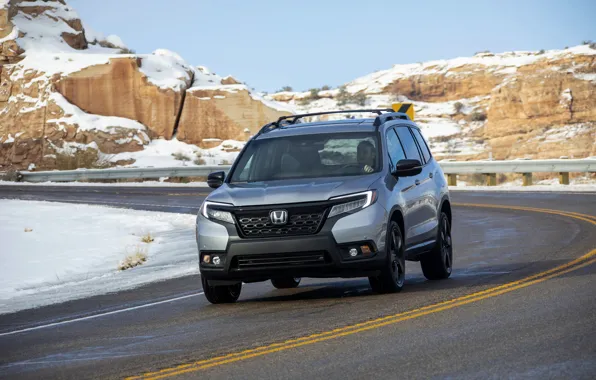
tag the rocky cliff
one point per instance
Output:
(64, 90)
(516, 104)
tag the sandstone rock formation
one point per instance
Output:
(54, 102)
(223, 113)
(121, 89)
(524, 95)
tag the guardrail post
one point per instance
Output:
(527, 179)
(564, 178)
(452, 179)
(490, 179)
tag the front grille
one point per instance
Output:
(279, 260)
(301, 221)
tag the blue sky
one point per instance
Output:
(305, 44)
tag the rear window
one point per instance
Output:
(422, 144)
(309, 156)
(409, 144)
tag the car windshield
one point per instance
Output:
(309, 156)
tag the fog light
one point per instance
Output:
(365, 250)
(353, 252)
(207, 259)
(216, 260)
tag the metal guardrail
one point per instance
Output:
(519, 166)
(451, 168)
(120, 173)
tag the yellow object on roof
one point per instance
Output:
(407, 108)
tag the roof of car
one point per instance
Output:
(331, 126)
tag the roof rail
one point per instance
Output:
(293, 119)
(390, 116)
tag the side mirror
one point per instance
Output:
(216, 179)
(407, 168)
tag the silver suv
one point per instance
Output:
(344, 198)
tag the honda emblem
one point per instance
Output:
(278, 217)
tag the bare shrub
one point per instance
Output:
(478, 116)
(200, 161)
(344, 97)
(147, 238)
(458, 106)
(11, 175)
(138, 257)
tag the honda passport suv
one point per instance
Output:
(344, 198)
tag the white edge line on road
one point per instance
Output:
(99, 315)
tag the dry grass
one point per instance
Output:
(180, 156)
(199, 161)
(147, 238)
(28, 229)
(135, 259)
(87, 159)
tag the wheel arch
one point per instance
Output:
(397, 215)
(446, 208)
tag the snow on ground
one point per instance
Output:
(163, 153)
(166, 69)
(566, 132)
(54, 252)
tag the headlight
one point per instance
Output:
(208, 212)
(357, 201)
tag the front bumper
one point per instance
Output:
(324, 254)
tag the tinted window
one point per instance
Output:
(409, 144)
(396, 152)
(308, 156)
(422, 144)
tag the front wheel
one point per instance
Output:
(221, 293)
(286, 282)
(393, 275)
(438, 263)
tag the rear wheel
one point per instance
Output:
(393, 275)
(286, 282)
(438, 263)
(221, 293)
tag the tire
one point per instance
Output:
(393, 274)
(286, 282)
(221, 293)
(438, 263)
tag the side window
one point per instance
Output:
(396, 152)
(422, 144)
(409, 144)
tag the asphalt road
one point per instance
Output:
(520, 304)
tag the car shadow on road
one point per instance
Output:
(462, 280)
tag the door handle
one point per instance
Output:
(417, 182)
(430, 174)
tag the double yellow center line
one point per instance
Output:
(587, 259)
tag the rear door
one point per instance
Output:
(416, 216)
(428, 188)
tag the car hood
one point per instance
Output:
(290, 191)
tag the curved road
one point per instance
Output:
(521, 303)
